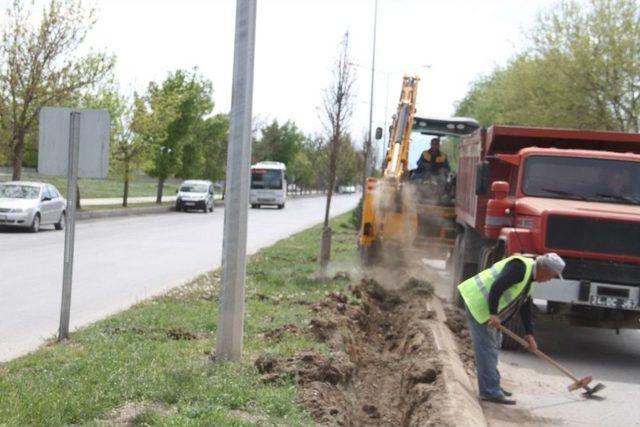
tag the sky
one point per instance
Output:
(447, 43)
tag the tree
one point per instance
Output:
(337, 107)
(350, 165)
(301, 169)
(581, 70)
(280, 143)
(171, 112)
(213, 133)
(41, 65)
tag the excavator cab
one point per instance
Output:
(435, 189)
(436, 185)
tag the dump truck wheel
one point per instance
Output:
(461, 271)
(515, 325)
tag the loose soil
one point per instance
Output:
(382, 368)
(457, 323)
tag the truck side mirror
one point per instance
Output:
(378, 133)
(482, 178)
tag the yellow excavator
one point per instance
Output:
(406, 210)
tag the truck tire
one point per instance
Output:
(514, 325)
(461, 271)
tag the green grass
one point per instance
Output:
(156, 354)
(130, 206)
(90, 188)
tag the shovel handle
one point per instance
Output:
(540, 354)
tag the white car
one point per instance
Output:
(195, 195)
(31, 205)
(347, 189)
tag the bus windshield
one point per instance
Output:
(580, 178)
(265, 179)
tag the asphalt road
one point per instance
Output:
(541, 391)
(121, 261)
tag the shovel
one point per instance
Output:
(577, 382)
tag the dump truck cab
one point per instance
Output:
(577, 193)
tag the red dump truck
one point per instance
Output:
(536, 190)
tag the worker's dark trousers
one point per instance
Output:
(486, 345)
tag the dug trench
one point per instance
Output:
(382, 368)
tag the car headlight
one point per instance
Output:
(16, 210)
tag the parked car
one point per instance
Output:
(195, 194)
(347, 189)
(31, 205)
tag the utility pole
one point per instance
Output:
(234, 246)
(368, 151)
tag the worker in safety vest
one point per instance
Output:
(433, 160)
(492, 297)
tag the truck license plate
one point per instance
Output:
(613, 302)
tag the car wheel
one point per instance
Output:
(281, 206)
(35, 225)
(254, 206)
(178, 208)
(211, 208)
(62, 222)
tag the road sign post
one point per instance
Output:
(69, 235)
(60, 152)
(234, 246)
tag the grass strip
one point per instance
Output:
(150, 365)
(93, 188)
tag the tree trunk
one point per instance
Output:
(125, 194)
(18, 154)
(78, 197)
(325, 250)
(160, 189)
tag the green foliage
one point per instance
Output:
(581, 70)
(209, 142)
(41, 64)
(169, 113)
(155, 356)
(356, 216)
(301, 170)
(279, 143)
(350, 163)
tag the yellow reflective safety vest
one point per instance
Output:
(475, 290)
(441, 158)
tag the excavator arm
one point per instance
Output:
(397, 160)
(383, 215)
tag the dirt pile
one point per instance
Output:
(382, 368)
(457, 323)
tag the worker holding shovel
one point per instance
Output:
(492, 297)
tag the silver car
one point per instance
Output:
(31, 205)
(195, 194)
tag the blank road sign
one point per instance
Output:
(53, 142)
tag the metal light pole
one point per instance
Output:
(367, 151)
(234, 246)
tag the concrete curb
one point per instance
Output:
(461, 406)
(112, 213)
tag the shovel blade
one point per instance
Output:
(593, 390)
